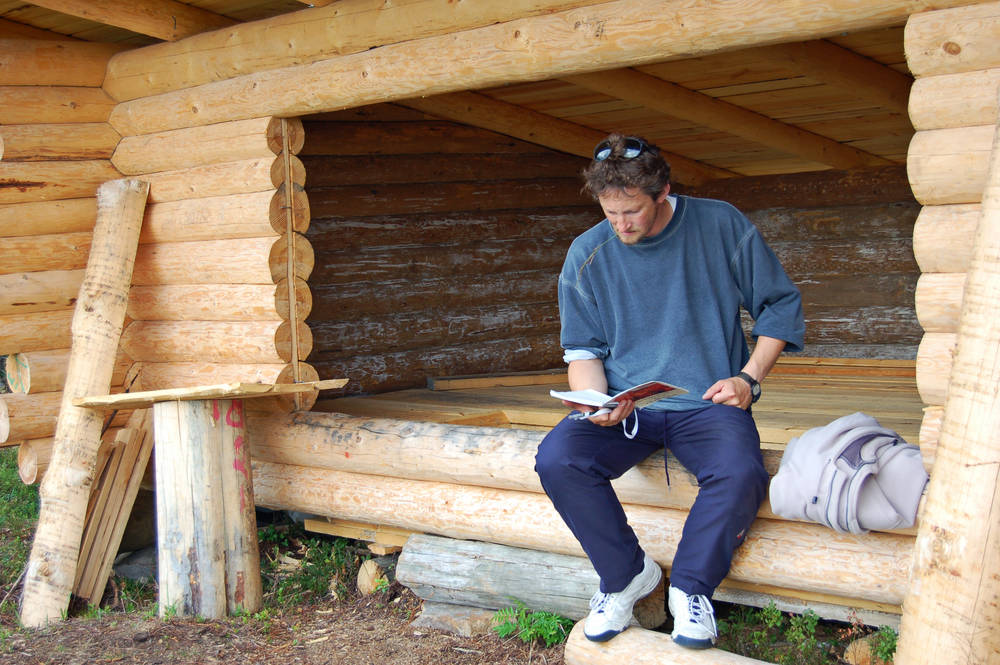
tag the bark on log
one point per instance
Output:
(242, 177)
(955, 100)
(643, 647)
(48, 217)
(28, 104)
(246, 261)
(21, 293)
(934, 361)
(24, 182)
(36, 331)
(949, 165)
(231, 217)
(948, 41)
(54, 142)
(65, 251)
(206, 302)
(942, 237)
(264, 342)
(874, 567)
(97, 323)
(939, 301)
(37, 62)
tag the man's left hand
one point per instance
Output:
(733, 391)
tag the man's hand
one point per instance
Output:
(620, 412)
(733, 391)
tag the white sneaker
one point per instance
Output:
(694, 619)
(610, 613)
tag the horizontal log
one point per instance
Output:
(163, 376)
(33, 459)
(39, 291)
(32, 416)
(198, 146)
(37, 62)
(873, 567)
(53, 142)
(291, 249)
(204, 302)
(434, 140)
(943, 237)
(959, 39)
(252, 175)
(28, 104)
(24, 182)
(63, 251)
(955, 100)
(48, 217)
(935, 356)
(939, 301)
(266, 342)
(213, 218)
(290, 212)
(643, 647)
(555, 44)
(35, 331)
(243, 261)
(847, 257)
(930, 434)
(950, 165)
(871, 221)
(861, 324)
(45, 371)
(880, 290)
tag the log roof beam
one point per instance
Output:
(15, 30)
(679, 102)
(485, 112)
(168, 20)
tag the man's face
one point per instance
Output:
(635, 215)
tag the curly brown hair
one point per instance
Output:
(647, 171)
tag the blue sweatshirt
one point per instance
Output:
(668, 307)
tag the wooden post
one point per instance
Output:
(96, 328)
(951, 611)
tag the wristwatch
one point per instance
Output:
(754, 386)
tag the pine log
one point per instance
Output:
(24, 182)
(33, 458)
(12, 30)
(36, 416)
(4, 423)
(961, 39)
(214, 341)
(433, 139)
(298, 295)
(939, 301)
(955, 100)
(951, 610)
(244, 261)
(97, 324)
(39, 291)
(930, 434)
(492, 576)
(949, 165)
(45, 371)
(37, 62)
(64, 251)
(283, 209)
(783, 554)
(28, 104)
(48, 217)
(208, 564)
(207, 302)
(554, 44)
(251, 175)
(35, 331)
(291, 256)
(197, 146)
(942, 237)
(54, 142)
(639, 646)
(213, 218)
(935, 357)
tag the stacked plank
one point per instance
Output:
(219, 292)
(953, 107)
(56, 148)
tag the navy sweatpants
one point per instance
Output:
(719, 444)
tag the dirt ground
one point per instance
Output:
(361, 631)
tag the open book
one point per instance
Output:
(643, 394)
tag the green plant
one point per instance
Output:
(771, 635)
(530, 626)
(883, 644)
(18, 516)
(310, 568)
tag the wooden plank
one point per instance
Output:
(146, 399)
(376, 533)
(492, 380)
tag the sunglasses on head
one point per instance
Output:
(634, 146)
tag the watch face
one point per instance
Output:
(755, 389)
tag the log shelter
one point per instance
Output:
(385, 192)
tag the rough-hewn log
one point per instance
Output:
(205, 302)
(939, 301)
(961, 39)
(846, 257)
(97, 323)
(29, 104)
(45, 371)
(38, 143)
(24, 182)
(39, 291)
(214, 341)
(643, 647)
(214, 218)
(784, 554)
(955, 100)
(557, 44)
(48, 217)
(934, 360)
(244, 261)
(45, 62)
(930, 434)
(949, 165)
(64, 251)
(942, 237)
(35, 331)
(198, 146)
(32, 416)
(251, 175)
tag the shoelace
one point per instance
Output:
(700, 609)
(599, 601)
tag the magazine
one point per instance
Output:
(643, 394)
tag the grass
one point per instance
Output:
(18, 516)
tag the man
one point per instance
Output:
(654, 291)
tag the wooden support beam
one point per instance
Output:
(480, 110)
(15, 30)
(677, 101)
(164, 19)
(97, 324)
(223, 391)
